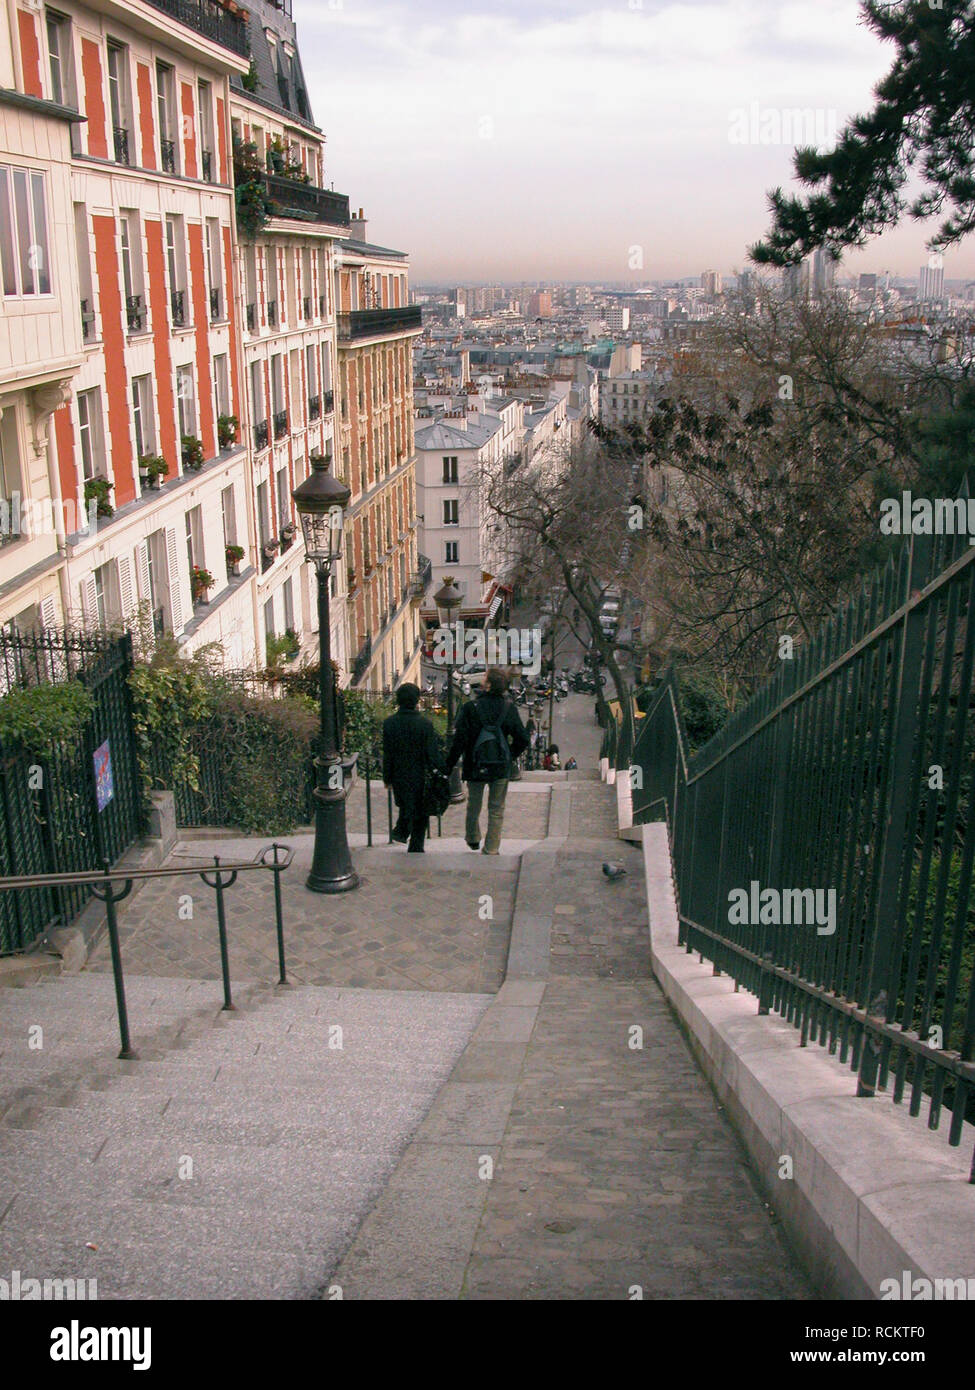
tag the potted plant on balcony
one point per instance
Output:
(350, 575)
(272, 547)
(201, 582)
(152, 467)
(234, 554)
(227, 426)
(192, 452)
(288, 531)
(97, 490)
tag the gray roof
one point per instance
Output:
(367, 248)
(280, 85)
(444, 436)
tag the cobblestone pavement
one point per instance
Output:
(618, 1170)
(414, 923)
(525, 813)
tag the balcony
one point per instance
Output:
(261, 436)
(367, 323)
(272, 313)
(303, 202)
(251, 316)
(206, 165)
(280, 424)
(177, 301)
(167, 153)
(215, 306)
(121, 144)
(420, 580)
(329, 402)
(314, 407)
(210, 19)
(134, 313)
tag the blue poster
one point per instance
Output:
(104, 788)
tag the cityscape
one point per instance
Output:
(266, 494)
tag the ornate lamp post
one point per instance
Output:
(320, 501)
(448, 601)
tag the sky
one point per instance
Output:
(570, 140)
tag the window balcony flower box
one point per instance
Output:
(152, 467)
(201, 582)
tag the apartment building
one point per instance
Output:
(629, 396)
(286, 265)
(386, 575)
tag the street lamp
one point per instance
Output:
(448, 601)
(319, 502)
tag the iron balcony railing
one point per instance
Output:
(306, 306)
(206, 165)
(304, 202)
(261, 436)
(314, 407)
(178, 302)
(366, 323)
(272, 312)
(121, 139)
(420, 581)
(846, 787)
(167, 152)
(209, 18)
(134, 313)
(215, 305)
(250, 314)
(328, 404)
(280, 424)
(361, 662)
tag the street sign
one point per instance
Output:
(104, 786)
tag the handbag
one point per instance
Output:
(436, 792)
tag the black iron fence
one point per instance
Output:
(68, 807)
(823, 842)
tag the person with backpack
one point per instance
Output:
(410, 747)
(488, 736)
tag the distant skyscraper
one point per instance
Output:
(618, 318)
(795, 280)
(867, 284)
(932, 281)
(711, 282)
(540, 305)
(823, 273)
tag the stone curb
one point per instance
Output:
(874, 1192)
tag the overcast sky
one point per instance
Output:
(565, 140)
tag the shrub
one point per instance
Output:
(227, 426)
(192, 451)
(97, 490)
(702, 707)
(154, 466)
(45, 714)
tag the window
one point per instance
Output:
(194, 538)
(450, 553)
(142, 415)
(10, 479)
(90, 433)
(59, 59)
(450, 516)
(289, 605)
(186, 400)
(269, 618)
(118, 99)
(205, 102)
(214, 268)
(166, 106)
(277, 383)
(228, 508)
(450, 470)
(23, 232)
(221, 384)
(131, 245)
(258, 403)
(176, 265)
(284, 497)
(264, 513)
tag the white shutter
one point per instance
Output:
(142, 572)
(175, 596)
(89, 600)
(125, 595)
(49, 613)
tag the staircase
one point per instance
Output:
(235, 1157)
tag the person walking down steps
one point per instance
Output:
(488, 736)
(410, 746)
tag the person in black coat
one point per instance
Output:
(488, 707)
(410, 745)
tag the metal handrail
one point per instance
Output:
(101, 884)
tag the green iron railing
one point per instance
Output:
(850, 773)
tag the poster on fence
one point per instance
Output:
(104, 787)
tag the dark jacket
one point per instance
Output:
(485, 709)
(410, 744)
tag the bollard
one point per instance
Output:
(389, 812)
(279, 922)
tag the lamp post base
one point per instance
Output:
(331, 869)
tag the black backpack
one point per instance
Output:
(491, 756)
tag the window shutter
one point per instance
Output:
(89, 600)
(125, 594)
(175, 596)
(142, 572)
(49, 613)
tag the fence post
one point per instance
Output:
(110, 898)
(368, 801)
(218, 884)
(896, 825)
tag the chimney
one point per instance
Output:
(358, 227)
